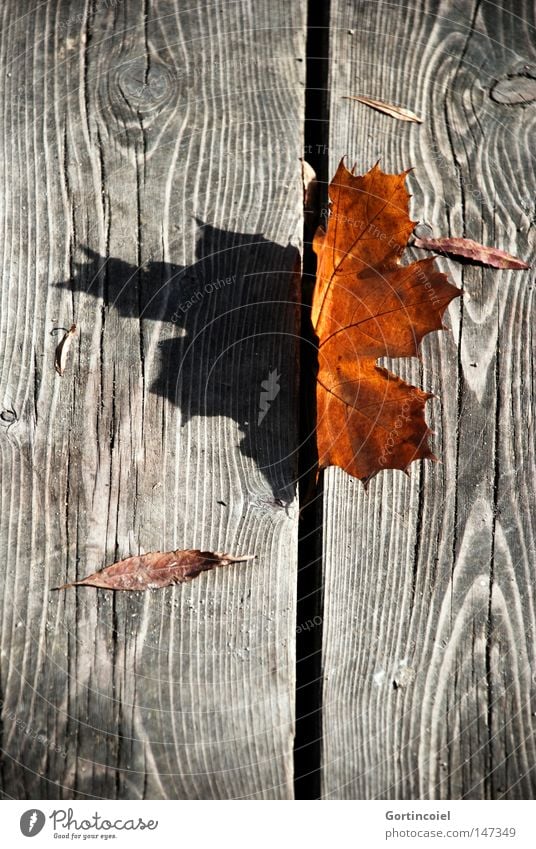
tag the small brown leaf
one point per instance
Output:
(387, 108)
(60, 357)
(155, 570)
(472, 250)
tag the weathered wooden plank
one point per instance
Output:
(143, 200)
(429, 584)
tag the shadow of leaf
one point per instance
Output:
(236, 309)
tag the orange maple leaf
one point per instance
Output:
(367, 305)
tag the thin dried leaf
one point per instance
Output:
(473, 251)
(309, 184)
(310, 192)
(62, 350)
(155, 570)
(365, 306)
(398, 112)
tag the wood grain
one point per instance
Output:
(429, 628)
(150, 193)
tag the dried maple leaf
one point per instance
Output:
(365, 306)
(155, 570)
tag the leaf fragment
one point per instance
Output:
(398, 112)
(366, 305)
(310, 192)
(155, 570)
(472, 250)
(62, 351)
(309, 183)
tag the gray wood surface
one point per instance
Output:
(429, 626)
(150, 193)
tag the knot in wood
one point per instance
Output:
(517, 87)
(145, 88)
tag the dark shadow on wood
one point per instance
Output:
(224, 311)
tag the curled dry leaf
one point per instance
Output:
(155, 570)
(310, 192)
(365, 306)
(473, 251)
(398, 112)
(62, 350)
(309, 185)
